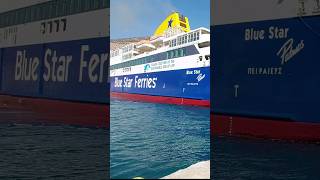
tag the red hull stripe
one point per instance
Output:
(36, 110)
(160, 99)
(264, 128)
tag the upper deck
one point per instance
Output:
(173, 39)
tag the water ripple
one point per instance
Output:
(53, 152)
(154, 140)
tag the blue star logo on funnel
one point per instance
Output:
(170, 23)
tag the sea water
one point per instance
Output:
(154, 140)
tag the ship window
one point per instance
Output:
(96, 4)
(204, 44)
(8, 18)
(83, 5)
(73, 6)
(77, 6)
(46, 11)
(32, 15)
(22, 15)
(167, 55)
(1, 21)
(67, 6)
(4, 19)
(105, 3)
(13, 19)
(171, 54)
(37, 14)
(54, 9)
(198, 35)
(87, 5)
(179, 40)
(176, 53)
(182, 52)
(28, 14)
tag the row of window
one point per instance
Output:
(176, 53)
(169, 55)
(190, 37)
(127, 48)
(114, 53)
(50, 9)
(127, 56)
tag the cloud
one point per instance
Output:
(138, 16)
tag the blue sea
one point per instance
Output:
(154, 140)
(53, 152)
(235, 158)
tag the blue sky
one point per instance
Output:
(138, 18)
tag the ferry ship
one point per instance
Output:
(172, 66)
(265, 80)
(54, 60)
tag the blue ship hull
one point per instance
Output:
(261, 74)
(57, 82)
(186, 84)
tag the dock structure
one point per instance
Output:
(200, 170)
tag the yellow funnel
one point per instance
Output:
(173, 20)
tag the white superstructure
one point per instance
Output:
(173, 51)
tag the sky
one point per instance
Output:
(140, 18)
